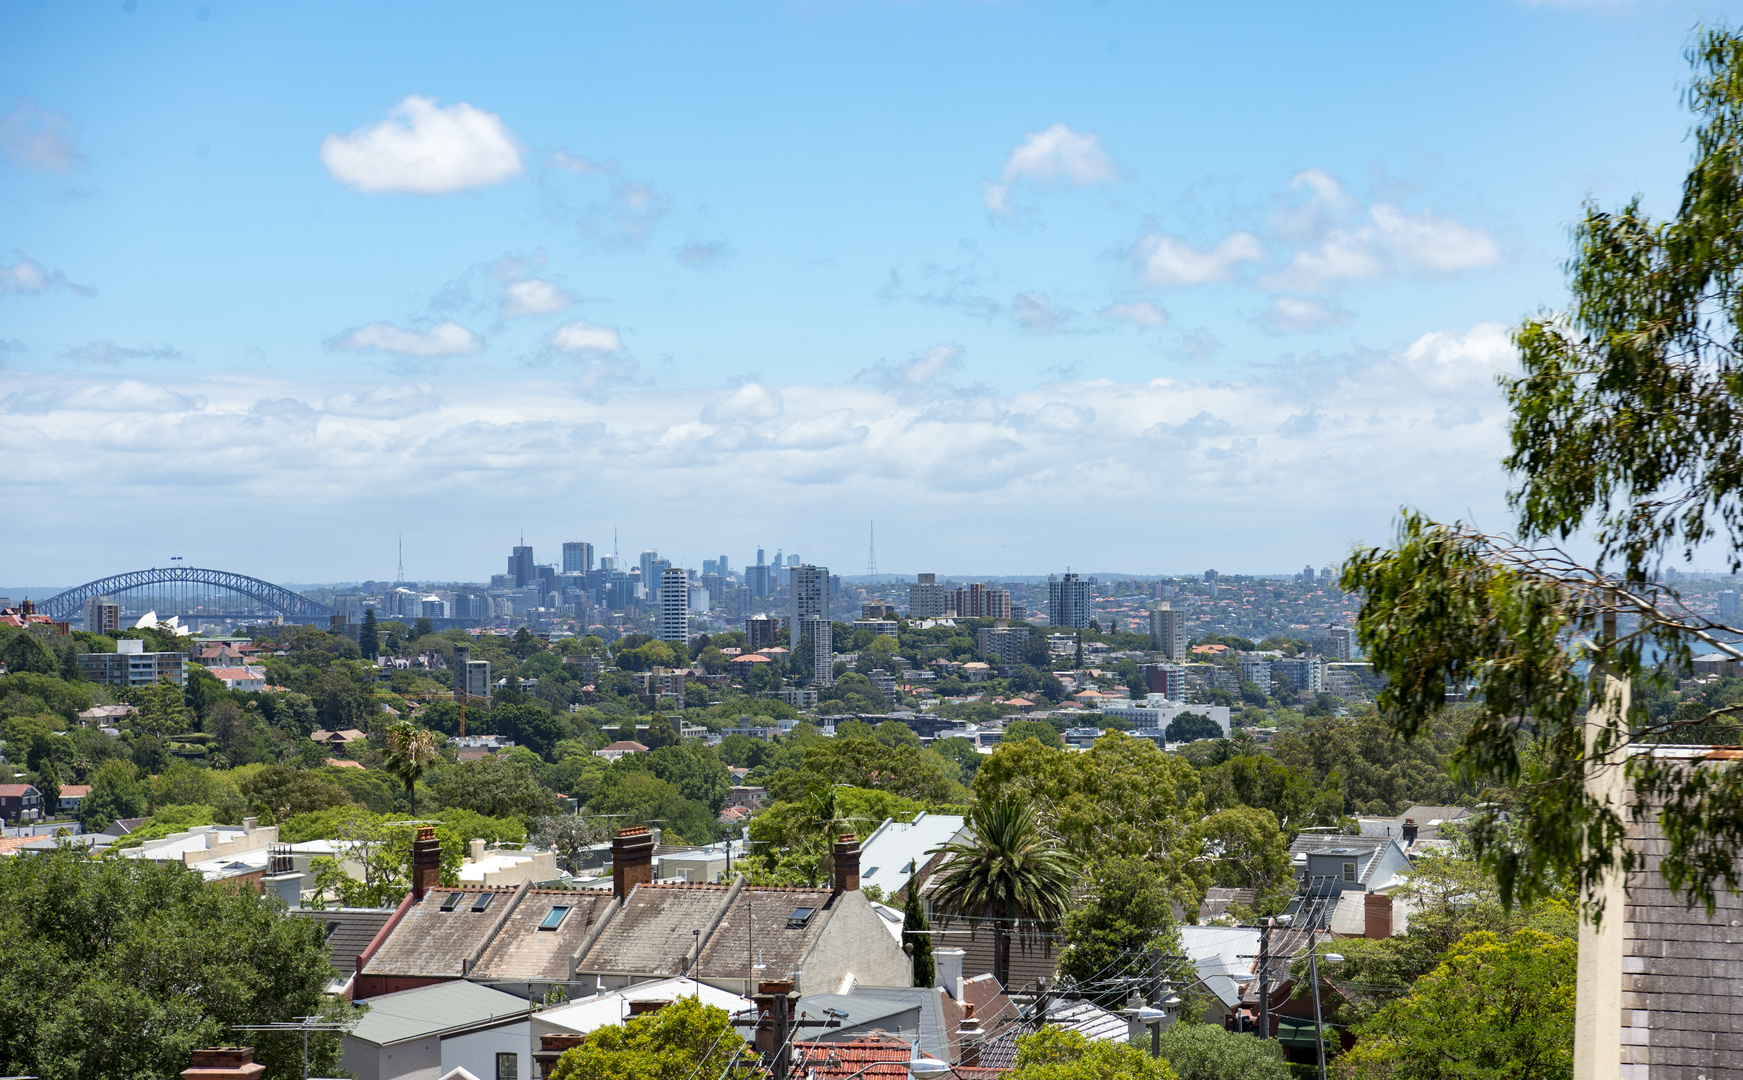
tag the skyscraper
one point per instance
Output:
(520, 566)
(757, 577)
(577, 557)
(674, 621)
(653, 570)
(1168, 632)
(724, 567)
(1068, 601)
(810, 598)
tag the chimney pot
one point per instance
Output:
(846, 859)
(477, 847)
(426, 862)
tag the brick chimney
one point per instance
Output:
(846, 857)
(426, 862)
(224, 1063)
(551, 1047)
(968, 1037)
(1409, 831)
(632, 860)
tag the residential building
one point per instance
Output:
(619, 749)
(1728, 603)
(760, 632)
(880, 627)
(1157, 717)
(520, 567)
(434, 1030)
(1336, 643)
(926, 598)
(821, 633)
(1305, 673)
(1069, 601)
(478, 678)
(1168, 632)
(897, 851)
(71, 796)
(433, 607)
(674, 621)
(1256, 671)
(102, 615)
(980, 602)
(884, 683)
(131, 665)
(240, 678)
(1003, 645)
(810, 598)
(577, 557)
(1167, 680)
(20, 802)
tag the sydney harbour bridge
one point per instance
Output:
(193, 594)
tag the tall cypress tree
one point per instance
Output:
(369, 638)
(914, 929)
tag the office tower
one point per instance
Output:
(650, 577)
(810, 598)
(674, 621)
(1069, 601)
(546, 579)
(1210, 575)
(723, 567)
(102, 615)
(577, 557)
(710, 566)
(758, 577)
(608, 563)
(1168, 632)
(926, 598)
(760, 632)
(520, 567)
(1727, 603)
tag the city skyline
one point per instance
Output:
(1089, 291)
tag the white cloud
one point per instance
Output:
(107, 352)
(581, 336)
(534, 296)
(447, 338)
(1296, 314)
(749, 404)
(1247, 460)
(424, 149)
(701, 256)
(386, 402)
(27, 277)
(1166, 262)
(1141, 313)
(1057, 155)
(38, 139)
(1035, 314)
(925, 369)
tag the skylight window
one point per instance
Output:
(554, 918)
(453, 901)
(799, 917)
(483, 901)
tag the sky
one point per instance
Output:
(1116, 287)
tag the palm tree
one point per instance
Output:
(1009, 872)
(411, 750)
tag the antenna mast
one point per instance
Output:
(871, 562)
(401, 579)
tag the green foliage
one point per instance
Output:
(916, 933)
(164, 821)
(1382, 771)
(686, 1038)
(697, 773)
(1009, 872)
(382, 845)
(1129, 910)
(1058, 1054)
(24, 652)
(642, 798)
(114, 969)
(409, 752)
(1191, 727)
(495, 786)
(279, 792)
(39, 693)
(901, 770)
(1209, 1052)
(1262, 781)
(369, 635)
(115, 793)
(1494, 1009)
(1045, 734)
(791, 838)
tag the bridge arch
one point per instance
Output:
(274, 598)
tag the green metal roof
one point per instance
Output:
(1294, 1032)
(432, 1010)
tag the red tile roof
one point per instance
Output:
(885, 1056)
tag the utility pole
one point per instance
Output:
(1318, 1023)
(1156, 1001)
(1265, 978)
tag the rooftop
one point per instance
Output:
(429, 1010)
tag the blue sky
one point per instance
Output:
(1117, 286)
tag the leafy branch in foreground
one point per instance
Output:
(1627, 428)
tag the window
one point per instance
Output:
(483, 901)
(507, 1067)
(554, 918)
(453, 901)
(1349, 871)
(800, 917)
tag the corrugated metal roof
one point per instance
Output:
(864, 1057)
(431, 1010)
(889, 856)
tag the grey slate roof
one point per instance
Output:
(653, 933)
(758, 917)
(348, 932)
(935, 1024)
(858, 1014)
(521, 951)
(431, 942)
(446, 1006)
